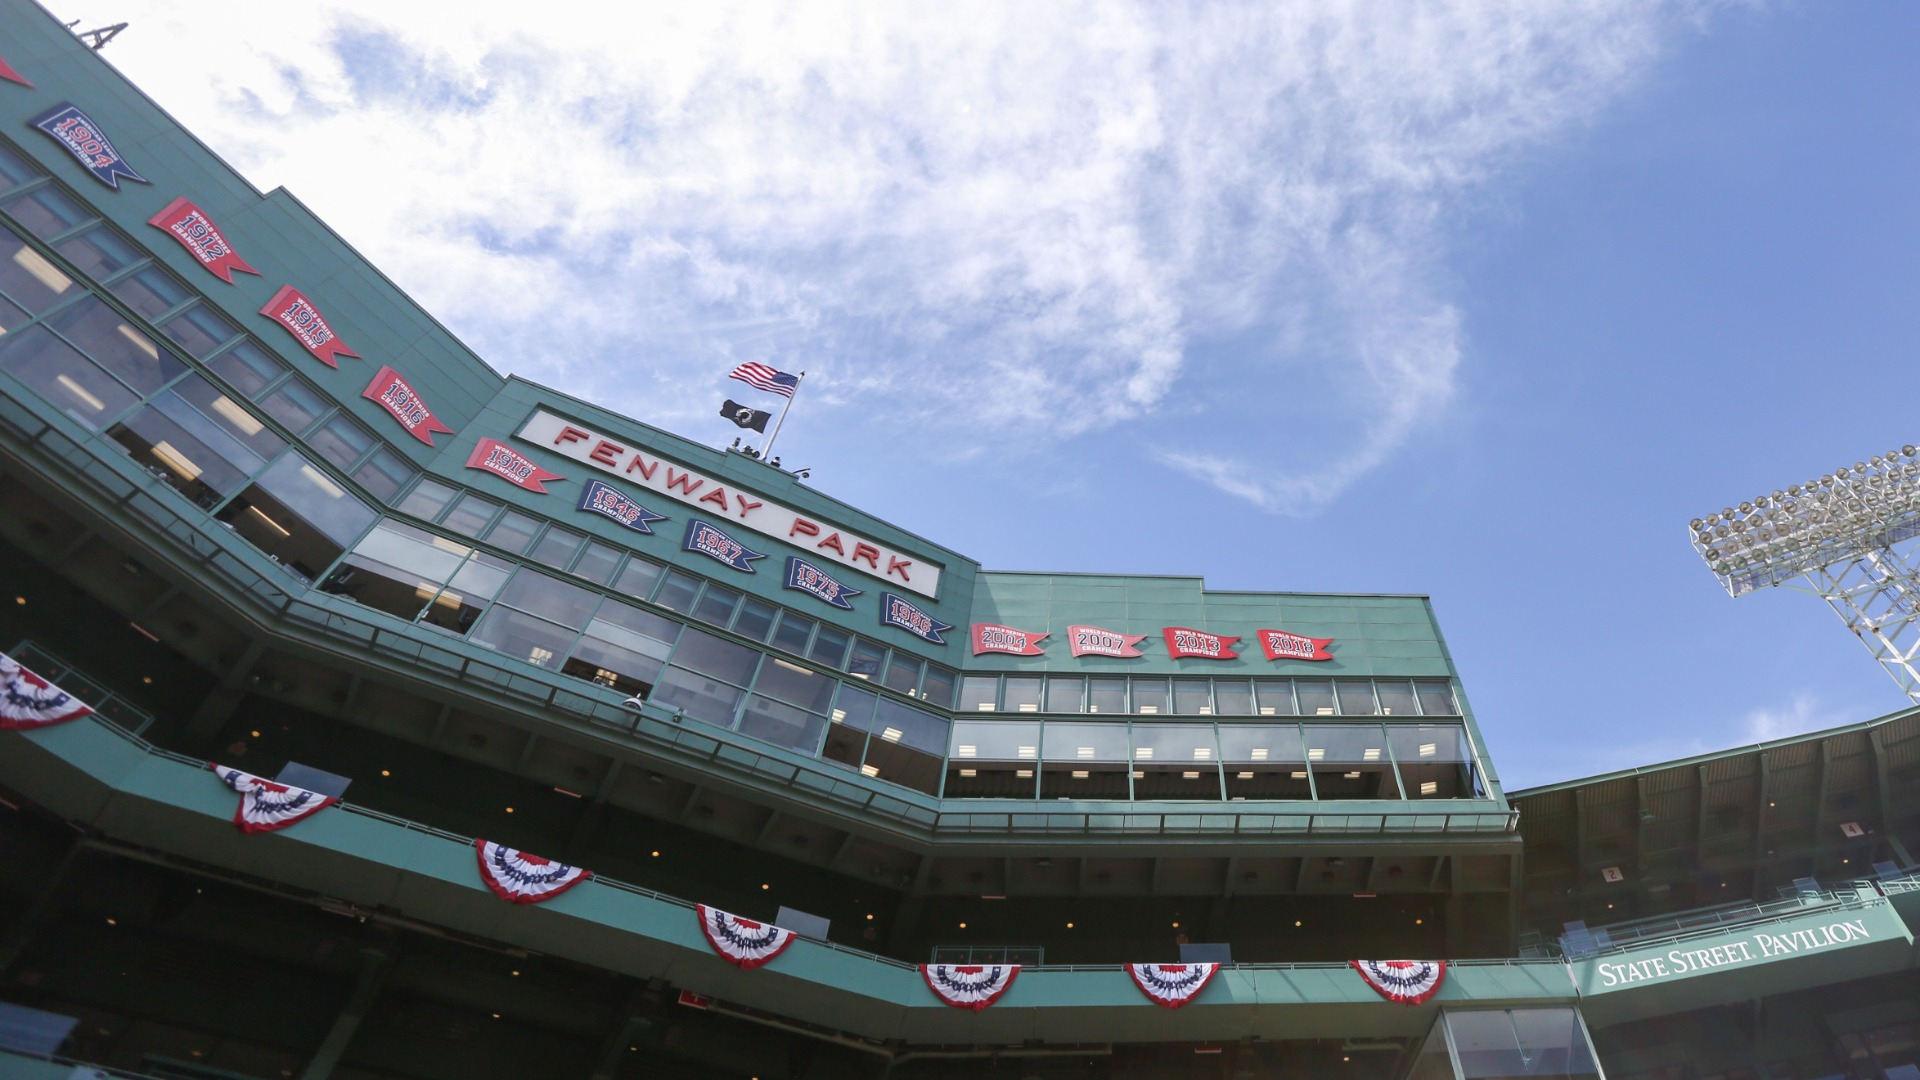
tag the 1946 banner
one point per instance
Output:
(610, 502)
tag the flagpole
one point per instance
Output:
(767, 451)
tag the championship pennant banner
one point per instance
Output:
(266, 805)
(1281, 645)
(805, 577)
(610, 502)
(28, 701)
(901, 612)
(8, 73)
(1403, 982)
(196, 232)
(1094, 641)
(969, 986)
(743, 942)
(994, 638)
(75, 130)
(520, 878)
(293, 311)
(709, 540)
(1182, 642)
(503, 461)
(1172, 985)
(396, 395)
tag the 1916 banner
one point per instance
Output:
(396, 395)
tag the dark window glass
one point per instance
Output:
(903, 673)
(294, 406)
(851, 718)
(1108, 695)
(1396, 697)
(27, 277)
(716, 605)
(129, 354)
(708, 655)
(470, 514)
(639, 577)
(64, 377)
(624, 647)
(1436, 699)
(513, 532)
(1150, 696)
(1316, 696)
(793, 634)
(1435, 761)
(993, 759)
(14, 169)
(199, 330)
(523, 636)
(99, 252)
(297, 514)
(247, 368)
(1175, 761)
(151, 292)
(197, 457)
(979, 693)
(865, 660)
(340, 441)
(384, 474)
(1021, 694)
(597, 563)
(698, 696)
(1084, 761)
(1065, 693)
(937, 688)
(829, 646)
(782, 724)
(11, 316)
(45, 212)
(1356, 697)
(1350, 761)
(1262, 761)
(396, 568)
(427, 499)
(1192, 697)
(907, 747)
(795, 685)
(232, 416)
(677, 592)
(756, 619)
(556, 548)
(1231, 697)
(472, 587)
(550, 598)
(1273, 697)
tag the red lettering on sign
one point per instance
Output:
(802, 525)
(747, 504)
(681, 481)
(895, 562)
(569, 434)
(642, 466)
(869, 553)
(605, 452)
(717, 495)
(834, 543)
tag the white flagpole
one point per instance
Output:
(766, 452)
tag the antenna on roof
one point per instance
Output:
(97, 38)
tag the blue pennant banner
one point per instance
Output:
(897, 611)
(810, 579)
(76, 131)
(710, 541)
(609, 502)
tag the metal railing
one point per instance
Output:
(42, 662)
(1701, 922)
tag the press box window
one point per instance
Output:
(1350, 761)
(27, 278)
(427, 499)
(250, 369)
(993, 759)
(906, 747)
(199, 330)
(1021, 694)
(536, 618)
(397, 568)
(99, 252)
(151, 292)
(298, 515)
(129, 354)
(1435, 761)
(1083, 761)
(1264, 761)
(624, 647)
(294, 405)
(45, 212)
(203, 455)
(1175, 761)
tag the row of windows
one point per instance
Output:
(1157, 695)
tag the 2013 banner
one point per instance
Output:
(1184, 641)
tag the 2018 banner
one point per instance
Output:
(1283, 645)
(196, 232)
(76, 131)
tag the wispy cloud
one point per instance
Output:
(1018, 218)
(1801, 713)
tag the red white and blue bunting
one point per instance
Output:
(742, 941)
(28, 701)
(265, 805)
(1171, 985)
(520, 878)
(1406, 982)
(969, 986)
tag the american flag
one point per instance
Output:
(765, 378)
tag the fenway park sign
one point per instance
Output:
(717, 497)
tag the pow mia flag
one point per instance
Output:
(745, 417)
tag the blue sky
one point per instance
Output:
(1478, 300)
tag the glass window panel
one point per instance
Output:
(678, 591)
(698, 696)
(68, 380)
(294, 405)
(1435, 761)
(1192, 697)
(45, 212)
(903, 673)
(14, 169)
(1502, 1043)
(396, 568)
(639, 577)
(1021, 693)
(199, 330)
(1106, 695)
(129, 354)
(1396, 697)
(1356, 697)
(996, 740)
(709, 655)
(248, 368)
(795, 685)
(1350, 761)
(1316, 696)
(979, 693)
(11, 317)
(782, 724)
(829, 645)
(472, 588)
(793, 633)
(341, 441)
(1273, 697)
(384, 474)
(513, 532)
(470, 514)
(1436, 699)
(1065, 693)
(523, 636)
(298, 515)
(150, 292)
(907, 746)
(853, 707)
(938, 686)
(556, 547)
(550, 598)
(1149, 696)
(716, 605)
(597, 563)
(1181, 744)
(1256, 743)
(1084, 761)
(864, 662)
(1232, 697)
(755, 619)
(625, 647)
(309, 492)
(162, 446)
(234, 418)
(28, 277)
(427, 499)
(1068, 741)
(99, 252)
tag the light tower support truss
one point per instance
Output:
(1839, 536)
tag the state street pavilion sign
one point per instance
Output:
(819, 539)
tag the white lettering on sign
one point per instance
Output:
(823, 540)
(1759, 946)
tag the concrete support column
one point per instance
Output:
(219, 705)
(373, 976)
(43, 908)
(626, 1028)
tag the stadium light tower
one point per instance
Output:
(1837, 536)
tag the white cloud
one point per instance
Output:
(987, 217)
(1800, 714)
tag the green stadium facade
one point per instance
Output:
(257, 508)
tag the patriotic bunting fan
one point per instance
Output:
(742, 941)
(1407, 982)
(969, 986)
(520, 878)
(265, 805)
(29, 701)
(1171, 985)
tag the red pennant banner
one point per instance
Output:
(992, 637)
(1094, 641)
(291, 309)
(196, 232)
(741, 941)
(1172, 985)
(1404, 982)
(28, 701)
(496, 457)
(1281, 645)
(520, 878)
(266, 805)
(1182, 641)
(969, 986)
(8, 73)
(396, 395)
